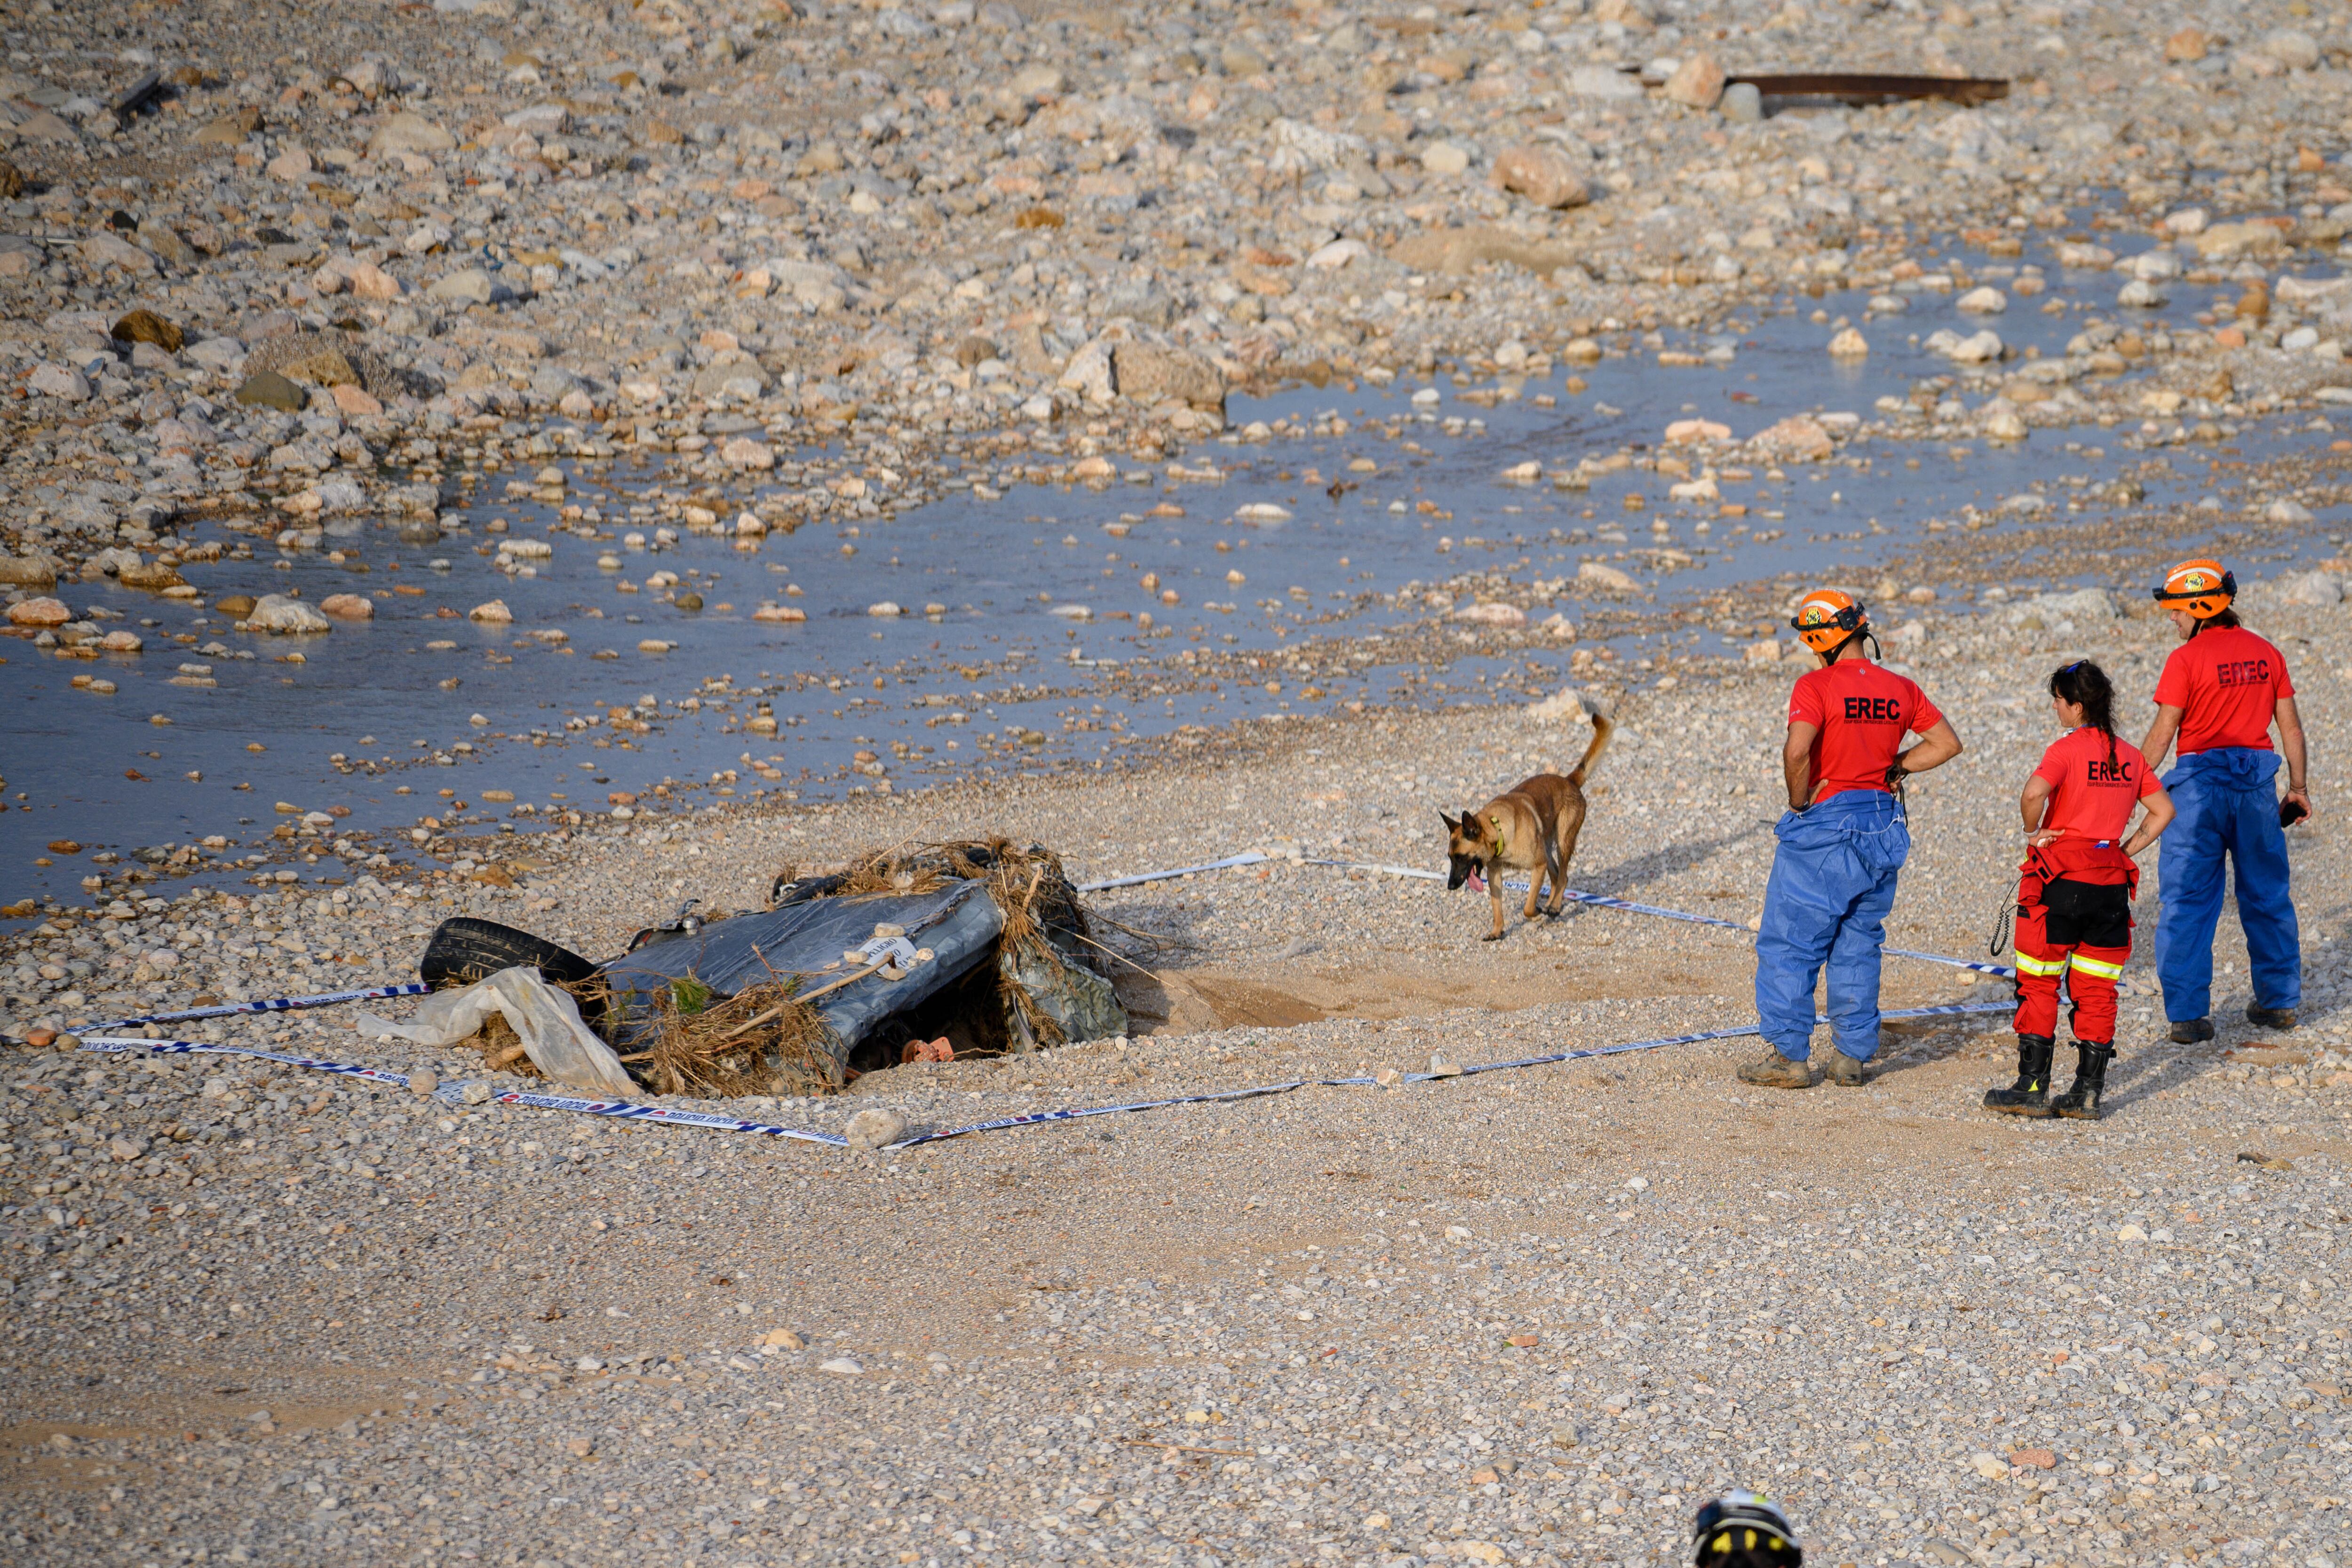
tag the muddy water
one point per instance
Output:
(1032, 651)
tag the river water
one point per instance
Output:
(1032, 657)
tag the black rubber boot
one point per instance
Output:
(2081, 1102)
(2029, 1095)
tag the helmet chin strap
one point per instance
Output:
(1861, 634)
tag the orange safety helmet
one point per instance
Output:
(1825, 619)
(2200, 587)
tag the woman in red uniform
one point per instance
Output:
(2075, 893)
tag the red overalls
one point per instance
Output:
(2074, 921)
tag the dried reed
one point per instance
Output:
(761, 1040)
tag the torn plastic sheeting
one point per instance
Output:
(547, 1020)
(805, 942)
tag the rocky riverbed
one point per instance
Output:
(302, 309)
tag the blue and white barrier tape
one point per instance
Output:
(274, 1005)
(1038, 1118)
(1252, 857)
(206, 1048)
(624, 1110)
(1603, 901)
(628, 1111)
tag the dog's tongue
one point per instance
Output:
(1477, 883)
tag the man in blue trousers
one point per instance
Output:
(2220, 692)
(1842, 843)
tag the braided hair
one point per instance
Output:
(2085, 684)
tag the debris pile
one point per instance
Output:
(918, 952)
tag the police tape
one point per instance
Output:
(629, 1111)
(273, 1005)
(1603, 901)
(208, 1048)
(624, 1110)
(663, 1115)
(1251, 857)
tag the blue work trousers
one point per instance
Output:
(2228, 811)
(1833, 883)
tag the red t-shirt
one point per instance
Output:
(2227, 683)
(1863, 712)
(2089, 798)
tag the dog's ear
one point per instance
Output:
(1450, 825)
(1470, 825)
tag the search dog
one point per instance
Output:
(1531, 827)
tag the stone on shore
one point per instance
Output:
(277, 613)
(1696, 82)
(1544, 175)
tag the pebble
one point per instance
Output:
(1742, 103)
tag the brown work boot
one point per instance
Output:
(1847, 1070)
(1774, 1070)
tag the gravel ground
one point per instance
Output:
(259, 1313)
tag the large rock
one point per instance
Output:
(1608, 579)
(2081, 606)
(1147, 373)
(1089, 374)
(732, 373)
(1796, 438)
(28, 572)
(1454, 252)
(58, 381)
(407, 132)
(323, 367)
(2291, 47)
(348, 606)
(230, 129)
(1697, 81)
(1602, 82)
(154, 575)
(1544, 175)
(146, 326)
(103, 249)
(38, 612)
(2225, 241)
(468, 286)
(2317, 587)
(276, 612)
(267, 389)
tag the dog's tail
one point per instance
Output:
(1602, 728)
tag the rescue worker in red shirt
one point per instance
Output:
(1842, 843)
(2221, 691)
(2075, 893)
